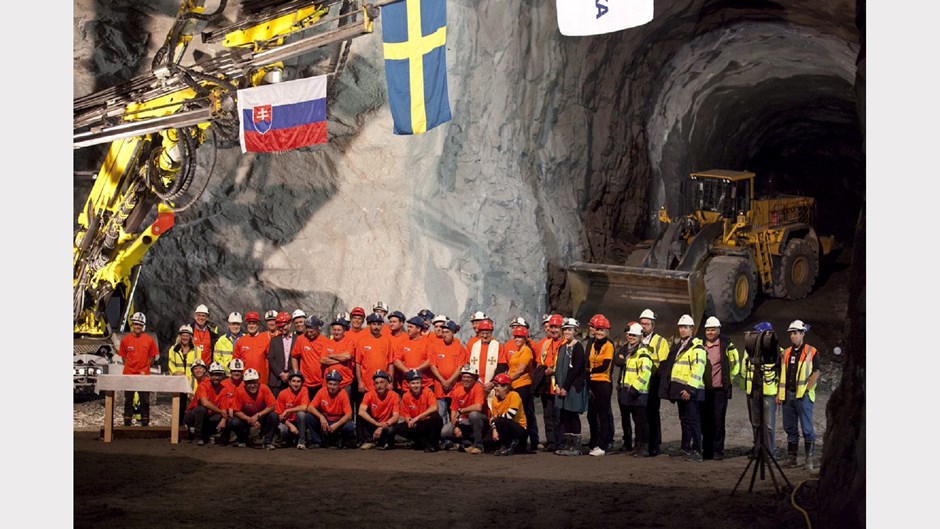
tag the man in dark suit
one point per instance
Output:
(279, 354)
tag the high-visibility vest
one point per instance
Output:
(689, 366)
(658, 349)
(803, 372)
(766, 372)
(180, 362)
(638, 369)
(223, 349)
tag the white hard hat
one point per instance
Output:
(236, 364)
(251, 374)
(470, 369)
(570, 323)
(202, 309)
(299, 314)
(198, 362)
(440, 318)
(379, 305)
(797, 325)
(270, 315)
(545, 318)
(648, 314)
(687, 320)
(712, 322)
(478, 315)
(185, 328)
(139, 317)
(234, 318)
(519, 321)
(216, 367)
(635, 330)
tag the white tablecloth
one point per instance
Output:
(158, 383)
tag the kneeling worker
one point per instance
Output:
(422, 423)
(467, 418)
(507, 417)
(291, 410)
(254, 409)
(333, 414)
(378, 414)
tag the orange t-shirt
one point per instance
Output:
(252, 404)
(500, 408)
(413, 353)
(308, 352)
(228, 396)
(287, 399)
(137, 352)
(447, 359)
(381, 409)
(373, 354)
(412, 406)
(347, 368)
(510, 346)
(472, 341)
(522, 358)
(461, 398)
(202, 338)
(333, 408)
(253, 351)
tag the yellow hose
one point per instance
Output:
(809, 525)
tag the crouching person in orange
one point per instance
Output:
(254, 409)
(207, 412)
(378, 414)
(291, 409)
(332, 415)
(507, 418)
(422, 423)
(467, 418)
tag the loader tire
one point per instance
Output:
(799, 267)
(731, 288)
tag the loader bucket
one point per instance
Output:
(621, 293)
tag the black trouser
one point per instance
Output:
(599, 414)
(144, 406)
(528, 407)
(365, 431)
(426, 432)
(570, 422)
(625, 425)
(268, 422)
(550, 420)
(312, 391)
(691, 422)
(639, 420)
(509, 431)
(205, 424)
(714, 410)
(653, 419)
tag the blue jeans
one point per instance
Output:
(798, 409)
(769, 404)
(443, 408)
(304, 423)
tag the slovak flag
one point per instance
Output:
(283, 116)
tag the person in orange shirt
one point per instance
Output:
(299, 320)
(270, 323)
(426, 330)
(206, 414)
(306, 353)
(413, 354)
(422, 423)
(467, 413)
(600, 363)
(381, 309)
(521, 365)
(487, 354)
(332, 414)
(510, 344)
(357, 320)
(339, 353)
(378, 415)
(291, 409)
(205, 333)
(254, 409)
(252, 348)
(139, 351)
(546, 357)
(475, 319)
(437, 325)
(447, 356)
(507, 418)
(373, 352)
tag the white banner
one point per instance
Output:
(596, 17)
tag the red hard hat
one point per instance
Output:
(502, 378)
(252, 316)
(593, 320)
(600, 322)
(283, 318)
(556, 320)
(358, 311)
(485, 325)
(520, 331)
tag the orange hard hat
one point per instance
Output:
(556, 320)
(520, 332)
(485, 325)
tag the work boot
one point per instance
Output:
(641, 450)
(565, 446)
(809, 449)
(792, 450)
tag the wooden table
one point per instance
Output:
(177, 385)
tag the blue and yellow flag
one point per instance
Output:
(414, 33)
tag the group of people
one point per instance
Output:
(382, 376)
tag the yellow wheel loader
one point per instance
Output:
(712, 261)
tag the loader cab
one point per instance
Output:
(719, 194)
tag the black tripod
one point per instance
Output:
(762, 457)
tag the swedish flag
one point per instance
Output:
(414, 33)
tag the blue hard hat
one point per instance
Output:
(763, 326)
(334, 375)
(397, 314)
(380, 374)
(414, 374)
(426, 314)
(313, 321)
(416, 320)
(453, 326)
(374, 318)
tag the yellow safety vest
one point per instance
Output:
(803, 372)
(689, 366)
(767, 372)
(638, 369)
